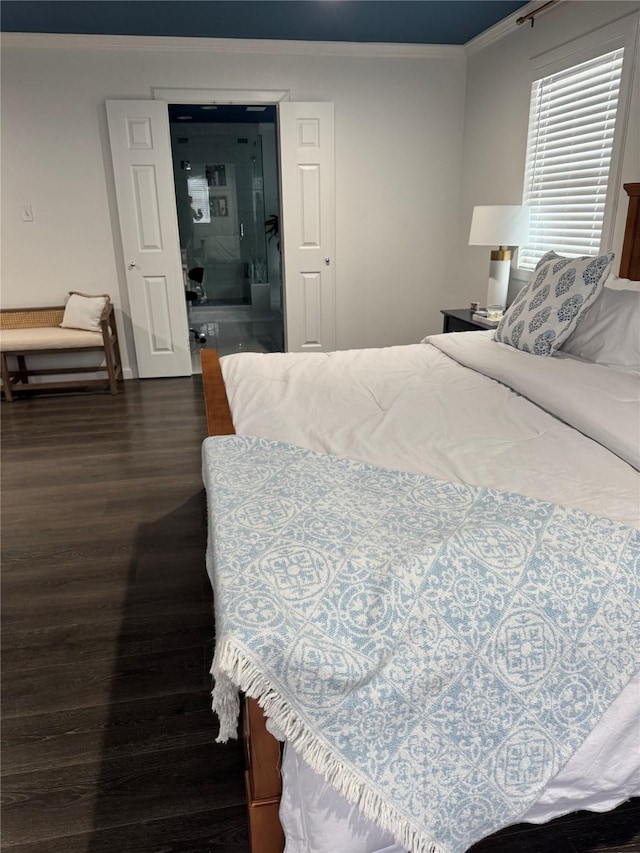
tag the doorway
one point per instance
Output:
(225, 165)
(156, 282)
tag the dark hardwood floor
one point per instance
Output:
(107, 624)
(108, 742)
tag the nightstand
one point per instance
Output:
(461, 320)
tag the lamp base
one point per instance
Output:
(498, 283)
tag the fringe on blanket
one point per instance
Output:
(232, 671)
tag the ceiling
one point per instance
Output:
(388, 21)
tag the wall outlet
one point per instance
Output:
(27, 213)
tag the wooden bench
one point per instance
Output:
(36, 331)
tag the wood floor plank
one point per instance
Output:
(121, 729)
(214, 831)
(116, 792)
(33, 646)
(136, 547)
(174, 488)
(30, 565)
(136, 465)
(105, 681)
(77, 580)
(135, 572)
(101, 546)
(78, 602)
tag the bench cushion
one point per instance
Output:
(26, 340)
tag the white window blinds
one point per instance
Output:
(571, 124)
(199, 195)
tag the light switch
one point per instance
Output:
(27, 213)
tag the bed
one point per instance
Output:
(474, 414)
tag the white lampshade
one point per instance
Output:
(499, 225)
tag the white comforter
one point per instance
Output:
(418, 409)
(413, 408)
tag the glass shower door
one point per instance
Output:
(227, 239)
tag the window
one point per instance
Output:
(199, 196)
(571, 124)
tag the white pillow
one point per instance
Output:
(615, 283)
(609, 332)
(83, 311)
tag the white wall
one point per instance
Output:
(496, 119)
(399, 124)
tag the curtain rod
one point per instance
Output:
(532, 15)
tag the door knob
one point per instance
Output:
(327, 261)
(132, 265)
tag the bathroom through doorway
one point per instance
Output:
(225, 165)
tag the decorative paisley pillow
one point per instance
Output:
(549, 308)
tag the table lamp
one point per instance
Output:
(499, 225)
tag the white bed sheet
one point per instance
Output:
(414, 408)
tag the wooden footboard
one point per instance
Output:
(219, 420)
(262, 751)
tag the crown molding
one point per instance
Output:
(220, 96)
(254, 46)
(501, 29)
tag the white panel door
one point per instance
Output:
(141, 153)
(308, 226)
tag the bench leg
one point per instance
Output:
(111, 368)
(6, 378)
(111, 352)
(116, 346)
(22, 368)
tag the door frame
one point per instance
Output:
(311, 295)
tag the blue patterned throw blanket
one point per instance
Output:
(437, 651)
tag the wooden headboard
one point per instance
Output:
(630, 260)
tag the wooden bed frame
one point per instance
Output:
(262, 750)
